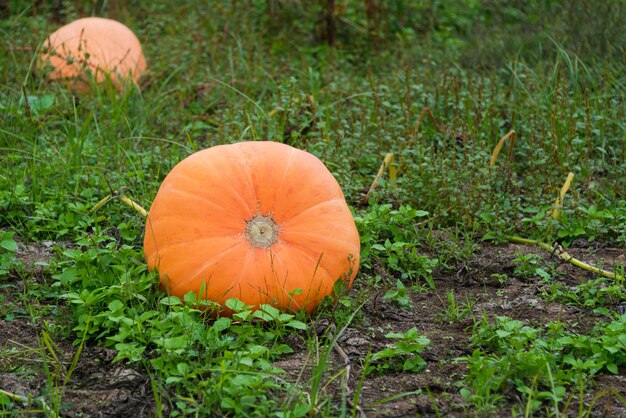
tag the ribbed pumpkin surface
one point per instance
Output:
(253, 220)
(103, 47)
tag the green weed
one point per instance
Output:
(540, 364)
(402, 355)
(454, 311)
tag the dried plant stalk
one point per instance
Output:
(563, 255)
(387, 164)
(500, 144)
(558, 203)
(127, 200)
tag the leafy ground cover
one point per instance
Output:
(447, 316)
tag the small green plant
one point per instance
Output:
(502, 278)
(454, 311)
(399, 295)
(8, 247)
(403, 257)
(529, 266)
(482, 385)
(402, 355)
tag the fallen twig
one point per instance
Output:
(25, 400)
(563, 255)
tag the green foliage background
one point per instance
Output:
(224, 71)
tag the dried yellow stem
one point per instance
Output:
(563, 255)
(14, 397)
(135, 206)
(387, 164)
(124, 199)
(500, 144)
(101, 203)
(558, 203)
(25, 400)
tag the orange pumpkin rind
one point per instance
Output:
(262, 222)
(93, 50)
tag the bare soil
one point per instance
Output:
(434, 389)
(100, 387)
(97, 387)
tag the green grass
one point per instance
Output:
(552, 71)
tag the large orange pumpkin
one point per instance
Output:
(96, 47)
(259, 221)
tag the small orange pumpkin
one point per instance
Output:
(102, 47)
(262, 222)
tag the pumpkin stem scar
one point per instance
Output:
(262, 231)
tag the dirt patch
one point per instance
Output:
(100, 387)
(434, 390)
(97, 387)
(35, 256)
